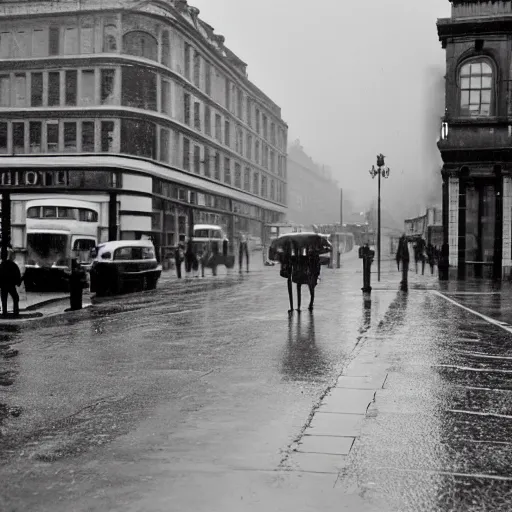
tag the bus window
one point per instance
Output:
(86, 215)
(33, 212)
(84, 244)
(201, 233)
(64, 212)
(49, 212)
(216, 233)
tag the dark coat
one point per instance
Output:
(402, 254)
(10, 274)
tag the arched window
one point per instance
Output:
(140, 44)
(476, 88)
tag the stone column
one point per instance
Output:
(453, 220)
(506, 261)
(461, 248)
(6, 223)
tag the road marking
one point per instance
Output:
(478, 413)
(470, 369)
(488, 319)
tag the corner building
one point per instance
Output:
(476, 138)
(140, 107)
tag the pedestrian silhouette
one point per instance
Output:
(10, 278)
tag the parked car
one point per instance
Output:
(124, 265)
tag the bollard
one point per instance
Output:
(76, 286)
(367, 255)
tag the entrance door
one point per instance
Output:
(480, 229)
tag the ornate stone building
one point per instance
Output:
(151, 109)
(476, 138)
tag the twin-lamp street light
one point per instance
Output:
(382, 170)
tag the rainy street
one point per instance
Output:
(203, 395)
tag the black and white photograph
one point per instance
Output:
(255, 256)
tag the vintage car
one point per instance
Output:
(124, 265)
(204, 235)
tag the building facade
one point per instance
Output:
(144, 110)
(313, 196)
(476, 137)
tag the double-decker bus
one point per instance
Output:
(58, 230)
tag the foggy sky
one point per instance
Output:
(353, 79)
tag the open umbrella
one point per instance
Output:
(313, 241)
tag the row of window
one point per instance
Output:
(213, 164)
(62, 212)
(176, 192)
(56, 136)
(88, 87)
(72, 39)
(199, 116)
(199, 71)
(69, 87)
(135, 138)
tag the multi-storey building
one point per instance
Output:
(141, 107)
(313, 196)
(476, 137)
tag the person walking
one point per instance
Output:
(419, 254)
(179, 256)
(10, 278)
(402, 256)
(243, 250)
(191, 263)
(431, 257)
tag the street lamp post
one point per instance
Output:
(382, 170)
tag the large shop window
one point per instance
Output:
(140, 44)
(476, 83)
(138, 138)
(138, 88)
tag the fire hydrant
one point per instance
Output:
(367, 255)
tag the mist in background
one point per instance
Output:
(353, 79)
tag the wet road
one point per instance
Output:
(191, 397)
(135, 396)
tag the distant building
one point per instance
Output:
(313, 195)
(476, 138)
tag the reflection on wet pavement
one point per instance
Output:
(438, 435)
